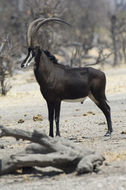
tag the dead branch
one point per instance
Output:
(101, 58)
(46, 151)
(3, 44)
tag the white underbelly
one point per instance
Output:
(75, 100)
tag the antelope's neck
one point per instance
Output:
(43, 67)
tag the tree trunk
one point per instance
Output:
(114, 40)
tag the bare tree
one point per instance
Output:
(89, 19)
(113, 30)
(6, 66)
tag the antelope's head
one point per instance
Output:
(32, 41)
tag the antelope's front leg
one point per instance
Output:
(57, 116)
(50, 117)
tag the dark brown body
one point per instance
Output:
(58, 82)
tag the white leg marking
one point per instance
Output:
(93, 98)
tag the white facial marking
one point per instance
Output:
(29, 60)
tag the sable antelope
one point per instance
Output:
(61, 83)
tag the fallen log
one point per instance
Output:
(46, 151)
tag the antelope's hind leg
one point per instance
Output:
(105, 108)
(107, 112)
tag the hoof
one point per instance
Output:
(51, 135)
(58, 134)
(108, 134)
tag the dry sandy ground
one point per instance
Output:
(83, 124)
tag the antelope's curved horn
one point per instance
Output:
(34, 41)
(29, 32)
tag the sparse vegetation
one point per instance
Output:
(6, 66)
(90, 21)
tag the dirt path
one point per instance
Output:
(82, 123)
